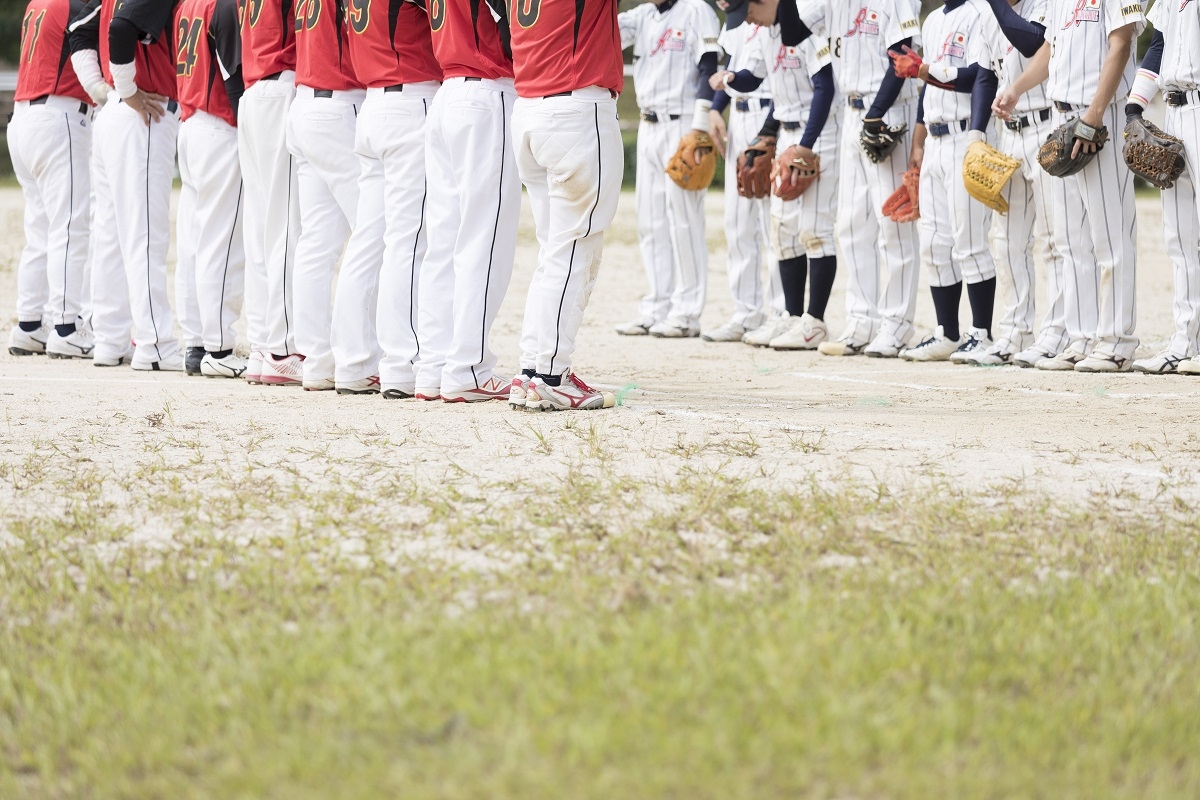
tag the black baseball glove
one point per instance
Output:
(1055, 153)
(1152, 153)
(878, 139)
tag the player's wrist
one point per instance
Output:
(700, 115)
(124, 79)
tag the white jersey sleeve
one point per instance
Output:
(630, 24)
(1179, 24)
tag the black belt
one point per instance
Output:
(1177, 98)
(472, 79)
(1065, 108)
(274, 76)
(1018, 124)
(939, 129)
(611, 94)
(742, 104)
(326, 94)
(652, 116)
(395, 87)
(857, 101)
(41, 101)
(789, 126)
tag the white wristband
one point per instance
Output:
(942, 72)
(700, 115)
(1145, 87)
(124, 79)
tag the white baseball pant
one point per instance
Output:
(670, 228)
(571, 159)
(50, 145)
(748, 228)
(1181, 221)
(271, 213)
(953, 225)
(1023, 237)
(135, 167)
(320, 135)
(211, 258)
(1099, 219)
(806, 226)
(474, 206)
(869, 240)
(374, 310)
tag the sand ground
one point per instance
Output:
(775, 419)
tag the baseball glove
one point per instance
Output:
(904, 204)
(795, 172)
(694, 163)
(754, 167)
(1152, 153)
(986, 171)
(878, 139)
(1055, 153)
(907, 65)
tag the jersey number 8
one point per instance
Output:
(307, 14)
(188, 40)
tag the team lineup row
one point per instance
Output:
(397, 139)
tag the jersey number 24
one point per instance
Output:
(187, 40)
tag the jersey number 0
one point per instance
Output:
(526, 12)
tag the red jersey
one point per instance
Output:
(390, 43)
(322, 52)
(560, 47)
(268, 38)
(467, 39)
(155, 62)
(207, 52)
(45, 66)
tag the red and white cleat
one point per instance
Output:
(282, 370)
(253, 373)
(494, 388)
(362, 386)
(518, 391)
(570, 395)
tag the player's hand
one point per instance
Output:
(701, 152)
(719, 79)
(718, 131)
(916, 158)
(150, 107)
(1094, 120)
(1005, 103)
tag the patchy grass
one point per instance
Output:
(313, 627)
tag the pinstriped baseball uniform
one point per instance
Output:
(804, 226)
(954, 245)
(667, 47)
(1022, 237)
(1179, 23)
(860, 33)
(747, 219)
(1098, 200)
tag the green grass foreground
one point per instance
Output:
(591, 638)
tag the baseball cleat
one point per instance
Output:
(78, 344)
(518, 391)
(429, 393)
(27, 343)
(494, 388)
(253, 373)
(936, 347)
(173, 363)
(1104, 361)
(975, 342)
(368, 385)
(773, 328)
(884, 345)
(282, 370)
(318, 384)
(672, 330)
(398, 392)
(1189, 367)
(1064, 361)
(729, 332)
(192, 359)
(572, 394)
(806, 334)
(638, 327)
(111, 361)
(1030, 356)
(841, 347)
(995, 356)
(1165, 363)
(231, 366)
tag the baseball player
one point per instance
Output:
(747, 219)
(271, 207)
(675, 52)
(567, 61)
(209, 271)
(1173, 65)
(135, 136)
(392, 54)
(953, 227)
(1022, 237)
(1087, 58)
(474, 203)
(881, 109)
(50, 142)
(320, 135)
(800, 79)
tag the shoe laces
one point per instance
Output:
(579, 384)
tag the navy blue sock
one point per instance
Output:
(945, 303)
(30, 327)
(550, 380)
(793, 273)
(219, 354)
(65, 330)
(528, 373)
(821, 272)
(982, 297)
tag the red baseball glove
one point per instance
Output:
(794, 172)
(904, 205)
(907, 65)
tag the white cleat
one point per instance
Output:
(1064, 361)
(518, 391)
(282, 371)
(28, 343)
(937, 347)
(231, 366)
(773, 328)
(253, 373)
(368, 385)
(111, 361)
(172, 363)
(398, 391)
(494, 388)
(1030, 356)
(729, 332)
(806, 334)
(639, 327)
(976, 342)
(674, 330)
(1189, 367)
(75, 345)
(1165, 363)
(884, 345)
(997, 355)
(572, 394)
(844, 345)
(318, 384)
(1102, 360)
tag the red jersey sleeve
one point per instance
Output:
(560, 47)
(390, 43)
(322, 49)
(470, 38)
(45, 66)
(268, 38)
